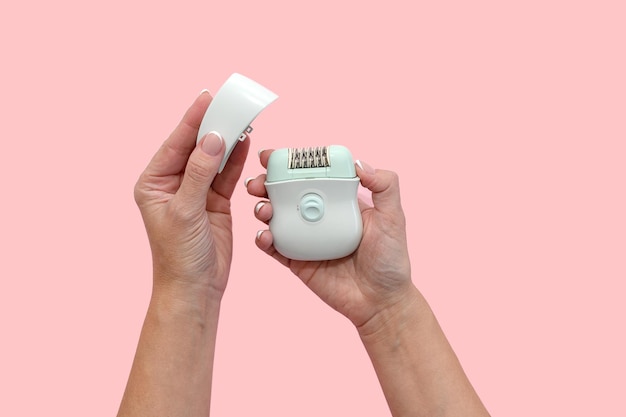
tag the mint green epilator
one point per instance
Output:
(313, 192)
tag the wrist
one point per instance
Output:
(417, 368)
(180, 298)
(392, 321)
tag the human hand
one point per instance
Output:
(185, 206)
(377, 276)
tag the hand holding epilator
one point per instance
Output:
(313, 191)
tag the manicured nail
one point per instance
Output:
(246, 181)
(365, 167)
(260, 151)
(259, 206)
(212, 143)
(259, 233)
(204, 90)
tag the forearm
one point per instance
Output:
(172, 370)
(419, 372)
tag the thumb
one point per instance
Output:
(201, 170)
(384, 185)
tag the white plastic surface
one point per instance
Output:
(335, 235)
(237, 103)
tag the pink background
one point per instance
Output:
(505, 120)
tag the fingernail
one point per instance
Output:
(247, 180)
(212, 143)
(259, 206)
(260, 151)
(365, 167)
(259, 233)
(204, 90)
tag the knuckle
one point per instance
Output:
(139, 192)
(394, 178)
(181, 213)
(392, 181)
(197, 172)
(387, 180)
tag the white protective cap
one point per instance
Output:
(237, 103)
